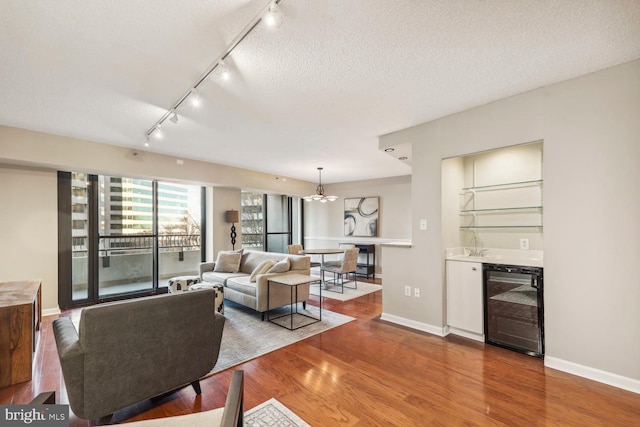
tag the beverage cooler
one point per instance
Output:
(514, 308)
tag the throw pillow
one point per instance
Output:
(280, 267)
(261, 268)
(228, 262)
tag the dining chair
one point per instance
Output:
(340, 269)
(295, 250)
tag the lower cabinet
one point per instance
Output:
(465, 314)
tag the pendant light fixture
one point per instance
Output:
(319, 196)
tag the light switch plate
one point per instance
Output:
(524, 244)
(423, 224)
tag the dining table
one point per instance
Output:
(322, 253)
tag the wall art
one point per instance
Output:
(361, 216)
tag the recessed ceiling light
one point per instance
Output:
(389, 150)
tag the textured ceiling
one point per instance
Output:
(317, 91)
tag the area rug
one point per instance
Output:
(273, 414)
(364, 288)
(246, 337)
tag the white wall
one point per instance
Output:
(590, 130)
(29, 229)
(29, 196)
(324, 222)
(24, 147)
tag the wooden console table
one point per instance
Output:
(20, 321)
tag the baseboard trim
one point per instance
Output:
(51, 311)
(465, 334)
(594, 374)
(424, 327)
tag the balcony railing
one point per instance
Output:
(125, 262)
(143, 243)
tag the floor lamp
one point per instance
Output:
(232, 217)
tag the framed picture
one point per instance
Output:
(361, 216)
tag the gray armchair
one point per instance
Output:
(133, 350)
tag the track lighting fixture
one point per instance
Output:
(271, 16)
(146, 141)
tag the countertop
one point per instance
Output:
(530, 258)
(396, 244)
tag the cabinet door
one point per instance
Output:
(464, 296)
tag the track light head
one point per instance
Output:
(174, 118)
(273, 17)
(195, 98)
(222, 71)
(157, 131)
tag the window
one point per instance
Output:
(270, 222)
(252, 220)
(126, 236)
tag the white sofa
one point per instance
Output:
(238, 287)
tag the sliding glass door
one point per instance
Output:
(126, 235)
(121, 236)
(179, 230)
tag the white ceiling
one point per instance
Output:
(317, 91)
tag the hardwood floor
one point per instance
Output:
(370, 372)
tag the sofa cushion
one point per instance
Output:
(261, 268)
(242, 284)
(251, 259)
(281, 266)
(213, 277)
(228, 262)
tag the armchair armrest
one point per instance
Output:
(44, 398)
(71, 356)
(67, 338)
(234, 406)
(205, 266)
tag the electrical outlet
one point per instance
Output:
(423, 224)
(416, 292)
(524, 244)
(407, 291)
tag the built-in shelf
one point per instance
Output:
(497, 210)
(504, 186)
(528, 216)
(477, 227)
